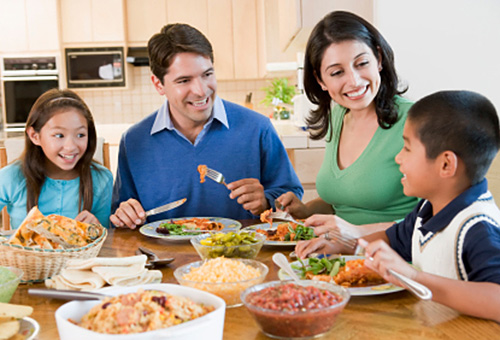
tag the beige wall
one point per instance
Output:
(140, 99)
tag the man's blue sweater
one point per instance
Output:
(161, 168)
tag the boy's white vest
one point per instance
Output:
(441, 253)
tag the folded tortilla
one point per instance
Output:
(149, 276)
(106, 261)
(113, 274)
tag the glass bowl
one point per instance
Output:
(222, 285)
(245, 251)
(9, 286)
(294, 322)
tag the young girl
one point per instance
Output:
(56, 171)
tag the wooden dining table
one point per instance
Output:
(396, 315)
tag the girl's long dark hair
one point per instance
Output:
(33, 158)
(337, 27)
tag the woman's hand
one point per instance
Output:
(316, 245)
(293, 205)
(380, 257)
(129, 214)
(87, 217)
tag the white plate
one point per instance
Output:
(384, 288)
(266, 226)
(150, 228)
(29, 328)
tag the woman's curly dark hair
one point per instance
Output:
(336, 27)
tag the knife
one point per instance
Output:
(166, 207)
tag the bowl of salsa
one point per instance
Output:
(286, 310)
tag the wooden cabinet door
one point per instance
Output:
(144, 18)
(13, 26)
(246, 62)
(220, 33)
(89, 21)
(28, 26)
(192, 12)
(42, 25)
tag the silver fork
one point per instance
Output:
(281, 215)
(216, 176)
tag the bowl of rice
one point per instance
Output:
(153, 311)
(223, 277)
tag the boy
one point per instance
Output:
(453, 235)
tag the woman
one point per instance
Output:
(349, 63)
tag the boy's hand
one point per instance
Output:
(380, 257)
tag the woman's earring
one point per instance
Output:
(380, 68)
(323, 87)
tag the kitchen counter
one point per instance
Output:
(292, 136)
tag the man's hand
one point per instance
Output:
(87, 217)
(250, 194)
(129, 214)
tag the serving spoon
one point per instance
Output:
(282, 262)
(154, 260)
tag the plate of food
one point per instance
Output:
(185, 228)
(283, 233)
(347, 271)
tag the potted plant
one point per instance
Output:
(280, 94)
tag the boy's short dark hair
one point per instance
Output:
(174, 39)
(460, 121)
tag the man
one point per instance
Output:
(159, 156)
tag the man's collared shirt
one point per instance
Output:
(164, 121)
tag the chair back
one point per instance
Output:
(14, 147)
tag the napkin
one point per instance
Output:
(94, 273)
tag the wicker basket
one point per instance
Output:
(40, 264)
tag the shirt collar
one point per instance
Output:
(443, 218)
(163, 120)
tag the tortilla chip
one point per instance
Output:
(9, 329)
(14, 311)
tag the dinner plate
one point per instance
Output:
(384, 288)
(266, 226)
(150, 228)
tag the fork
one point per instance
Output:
(216, 176)
(282, 215)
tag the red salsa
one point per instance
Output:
(293, 310)
(292, 297)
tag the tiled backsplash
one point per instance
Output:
(141, 99)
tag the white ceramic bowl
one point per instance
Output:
(207, 327)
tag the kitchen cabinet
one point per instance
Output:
(143, 19)
(234, 28)
(28, 26)
(307, 163)
(92, 21)
(288, 23)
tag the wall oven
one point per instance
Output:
(24, 79)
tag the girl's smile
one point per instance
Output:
(64, 140)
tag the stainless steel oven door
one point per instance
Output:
(20, 93)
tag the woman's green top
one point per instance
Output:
(370, 189)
